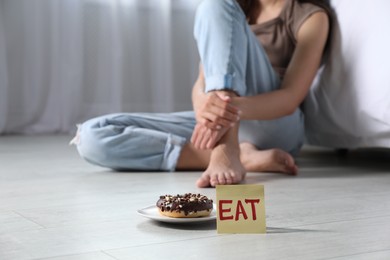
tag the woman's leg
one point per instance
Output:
(231, 55)
(233, 60)
(154, 142)
(253, 160)
(135, 141)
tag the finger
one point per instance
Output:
(213, 100)
(212, 140)
(216, 108)
(194, 140)
(212, 121)
(209, 116)
(195, 136)
(215, 122)
(223, 113)
(195, 131)
(226, 102)
(212, 125)
(218, 124)
(232, 116)
(225, 123)
(205, 138)
(224, 97)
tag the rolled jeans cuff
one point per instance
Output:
(172, 152)
(225, 82)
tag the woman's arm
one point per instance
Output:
(311, 40)
(212, 109)
(214, 114)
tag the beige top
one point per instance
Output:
(278, 36)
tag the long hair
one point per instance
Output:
(252, 10)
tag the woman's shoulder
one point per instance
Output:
(298, 13)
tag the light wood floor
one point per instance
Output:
(53, 205)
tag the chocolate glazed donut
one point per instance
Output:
(185, 206)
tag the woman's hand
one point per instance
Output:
(206, 138)
(214, 115)
(215, 111)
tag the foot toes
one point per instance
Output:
(294, 170)
(203, 182)
(287, 162)
(221, 179)
(228, 178)
(291, 167)
(214, 181)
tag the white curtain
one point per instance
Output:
(64, 61)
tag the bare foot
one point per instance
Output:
(225, 168)
(273, 160)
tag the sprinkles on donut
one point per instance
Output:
(188, 205)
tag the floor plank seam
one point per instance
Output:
(325, 200)
(104, 252)
(338, 221)
(36, 223)
(77, 254)
(163, 243)
(358, 254)
(107, 203)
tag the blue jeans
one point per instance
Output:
(232, 59)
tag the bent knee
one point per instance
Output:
(91, 148)
(215, 7)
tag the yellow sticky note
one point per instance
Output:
(240, 209)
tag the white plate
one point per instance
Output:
(152, 213)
